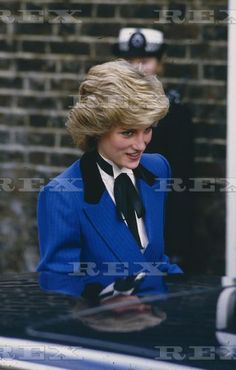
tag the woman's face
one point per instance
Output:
(125, 146)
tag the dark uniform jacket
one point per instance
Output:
(173, 137)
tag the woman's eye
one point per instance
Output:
(127, 133)
(148, 129)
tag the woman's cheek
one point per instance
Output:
(149, 137)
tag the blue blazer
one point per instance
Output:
(82, 238)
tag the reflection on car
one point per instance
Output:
(181, 330)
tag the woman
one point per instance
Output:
(101, 220)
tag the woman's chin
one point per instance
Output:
(131, 164)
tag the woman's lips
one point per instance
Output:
(134, 156)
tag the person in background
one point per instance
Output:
(172, 137)
(101, 221)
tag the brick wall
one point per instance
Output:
(42, 61)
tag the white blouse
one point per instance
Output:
(109, 184)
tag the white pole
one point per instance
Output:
(231, 150)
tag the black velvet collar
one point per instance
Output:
(93, 184)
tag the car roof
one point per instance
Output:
(184, 333)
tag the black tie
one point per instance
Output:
(127, 198)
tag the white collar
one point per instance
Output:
(117, 170)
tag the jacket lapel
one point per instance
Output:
(113, 230)
(154, 227)
(103, 215)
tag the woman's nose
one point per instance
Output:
(140, 142)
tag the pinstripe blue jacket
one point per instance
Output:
(82, 238)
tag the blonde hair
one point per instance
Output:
(115, 94)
